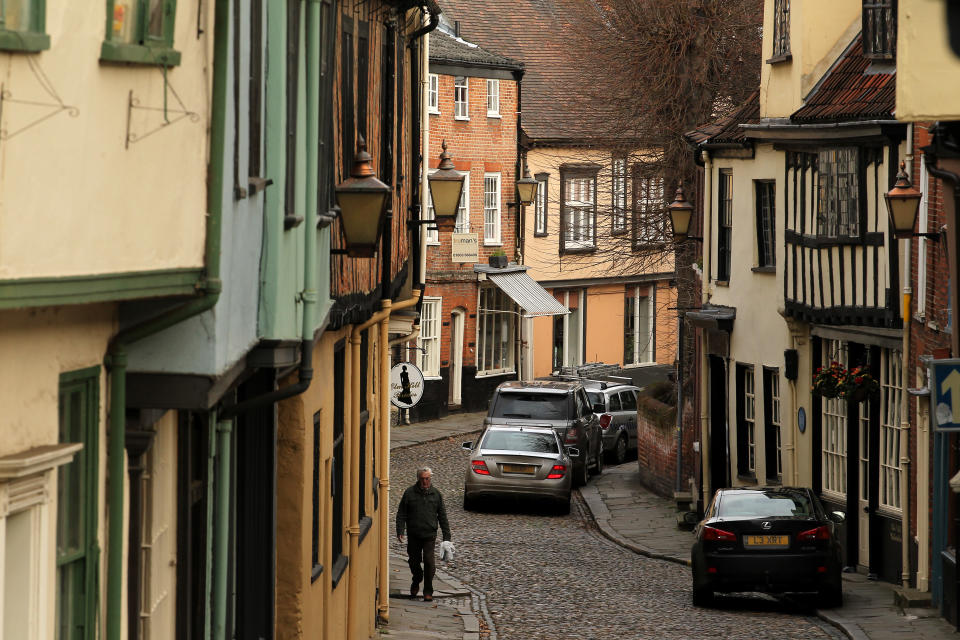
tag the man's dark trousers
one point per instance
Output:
(422, 550)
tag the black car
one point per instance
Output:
(564, 406)
(772, 539)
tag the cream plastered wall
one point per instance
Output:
(542, 346)
(820, 30)
(37, 346)
(542, 254)
(73, 199)
(928, 72)
(760, 334)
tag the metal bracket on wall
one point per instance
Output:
(52, 107)
(133, 103)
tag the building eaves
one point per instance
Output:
(728, 130)
(448, 49)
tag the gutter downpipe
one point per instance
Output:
(704, 298)
(425, 152)
(116, 360)
(904, 394)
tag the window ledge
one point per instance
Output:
(433, 112)
(139, 54)
(889, 512)
(426, 377)
(365, 523)
(462, 118)
(637, 365)
(722, 283)
(23, 41)
(590, 249)
(316, 572)
(783, 57)
(494, 116)
(538, 234)
(339, 566)
(492, 243)
(750, 478)
(495, 372)
(764, 269)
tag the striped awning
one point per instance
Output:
(529, 296)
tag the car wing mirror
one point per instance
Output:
(838, 517)
(573, 451)
(468, 446)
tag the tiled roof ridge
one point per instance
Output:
(727, 128)
(477, 55)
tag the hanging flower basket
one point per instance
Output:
(836, 381)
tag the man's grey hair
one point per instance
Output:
(424, 469)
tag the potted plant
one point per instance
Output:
(836, 381)
(498, 259)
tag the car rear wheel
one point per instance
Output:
(702, 597)
(830, 597)
(620, 450)
(469, 503)
(563, 507)
(581, 474)
(599, 461)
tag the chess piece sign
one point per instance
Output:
(406, 385)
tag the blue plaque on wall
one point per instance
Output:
(801, 419)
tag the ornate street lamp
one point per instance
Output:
(526, 187)
(446, 187)
(362, 199)
(681, 212)
(903, 201)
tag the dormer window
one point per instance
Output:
(781, 31)
(880, 29)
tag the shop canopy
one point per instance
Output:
(533, 299)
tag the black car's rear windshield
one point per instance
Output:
(521, 441)
(531, 405)
(763, 504)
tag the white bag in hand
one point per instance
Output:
(446, 550)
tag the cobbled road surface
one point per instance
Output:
(556, 577)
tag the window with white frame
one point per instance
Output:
(493, 98)
(637, 327)
(619, 195)
(461, 98)
(433, 93)
(429, 340)
(775, 424)
(540, 206)
(923, 223)
(462, 224)
(839, 213)
(491, 208)
(496, 318)
(890, 472)
(834, 413)
(648, 207)
(579, 211)
(568, 329)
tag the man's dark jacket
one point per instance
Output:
(420, 512)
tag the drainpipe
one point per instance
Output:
(704, 298)
(904, 394)
(116, 360)
(221, 539)
(425, 153)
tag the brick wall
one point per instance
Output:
(657, 451)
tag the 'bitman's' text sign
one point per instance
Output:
(406, 385)
(465, 247)
(945, 389)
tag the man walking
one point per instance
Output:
(421, 510)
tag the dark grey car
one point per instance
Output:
(616, 408)
(564, 406)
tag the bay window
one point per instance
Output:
(496, 320)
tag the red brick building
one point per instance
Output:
(471, 334)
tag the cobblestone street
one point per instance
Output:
(549, 576)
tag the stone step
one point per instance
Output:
(908, 598)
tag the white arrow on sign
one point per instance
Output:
(952, 384)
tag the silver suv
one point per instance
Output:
(615, 406)
(564, 406)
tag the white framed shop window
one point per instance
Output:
(429, 340)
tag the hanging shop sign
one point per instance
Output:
(406, 385)
(465, 247)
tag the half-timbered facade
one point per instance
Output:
(794, 206)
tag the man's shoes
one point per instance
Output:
(414, 589)
(427, 597)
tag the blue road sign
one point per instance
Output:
(946, 394)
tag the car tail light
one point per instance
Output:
(711, 533)
(605, 420)
(820, 533)
(479, 466)
(557, 472)
(571, 437)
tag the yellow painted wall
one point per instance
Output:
(819, 32)
(666, 319)
(73, 199)
(604, 333)
(542, 255)
(928, 72)
(313, 609)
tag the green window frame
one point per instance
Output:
(77, 490)
(23, 25)
(140, 32)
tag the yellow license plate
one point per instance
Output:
(766, 541)
(519, 468)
